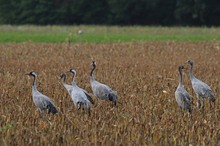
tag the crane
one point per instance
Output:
(101, 90)
(183, 98)
(81, 98)
(73, 71)
(69, 88)
(76, 100)
(41, 101)
(200, 88)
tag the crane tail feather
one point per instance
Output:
(52, 109)
(89, 98)
(212, 97)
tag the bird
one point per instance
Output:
(183, 98)
(73, 71)
(80, 31)
(69, 88)
(200, 88)
(41, 101)
(100, 90)
(80, 96)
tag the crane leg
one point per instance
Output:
(78, 106)
(210, 104)
(203, 104)
(42, 112)
(89, 112)
(114, 103)
(198, 101)
(180, 109)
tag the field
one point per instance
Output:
(145, 76)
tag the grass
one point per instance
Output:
(104, 34)
(144, 75)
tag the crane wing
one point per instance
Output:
(44, 102)
(88, 96)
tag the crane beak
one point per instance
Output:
(59, 76)
(187, 62)
(27, 74)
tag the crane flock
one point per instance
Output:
(82, 99)
(200, 88)
(79, 96)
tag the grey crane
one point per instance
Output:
(76, 100)
(200, 88)
(41, 101)
(101, 90)
(183, 98)
(69, 88)
(73, 71)
(80, 96)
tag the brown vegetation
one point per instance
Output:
(144, 75)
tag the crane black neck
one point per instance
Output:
(191, 71)
(34, 82)
(74, 75)
(180, 77)
(63, 78)
(91, 74)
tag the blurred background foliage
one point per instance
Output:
(111, 12)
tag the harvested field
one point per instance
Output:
(144, 75)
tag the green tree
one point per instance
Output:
(212, 13)
(190, 12)
(9, 11)
(123, 12)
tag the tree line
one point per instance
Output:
(111, 12)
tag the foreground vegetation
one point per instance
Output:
(144, 75)
(104, 34)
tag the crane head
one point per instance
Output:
(73, 70)
(93, 64)
(63, 75)
(181, 67)
(32, 73)
(189, 62)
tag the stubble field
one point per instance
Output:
(144, 75)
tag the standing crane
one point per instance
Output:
(101, 90)
(69, 88)
(41, 101)
(183, 98)
(73, 71)
(76, 100)
(200, 88)
(81, 98)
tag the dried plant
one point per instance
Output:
(144, 75)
